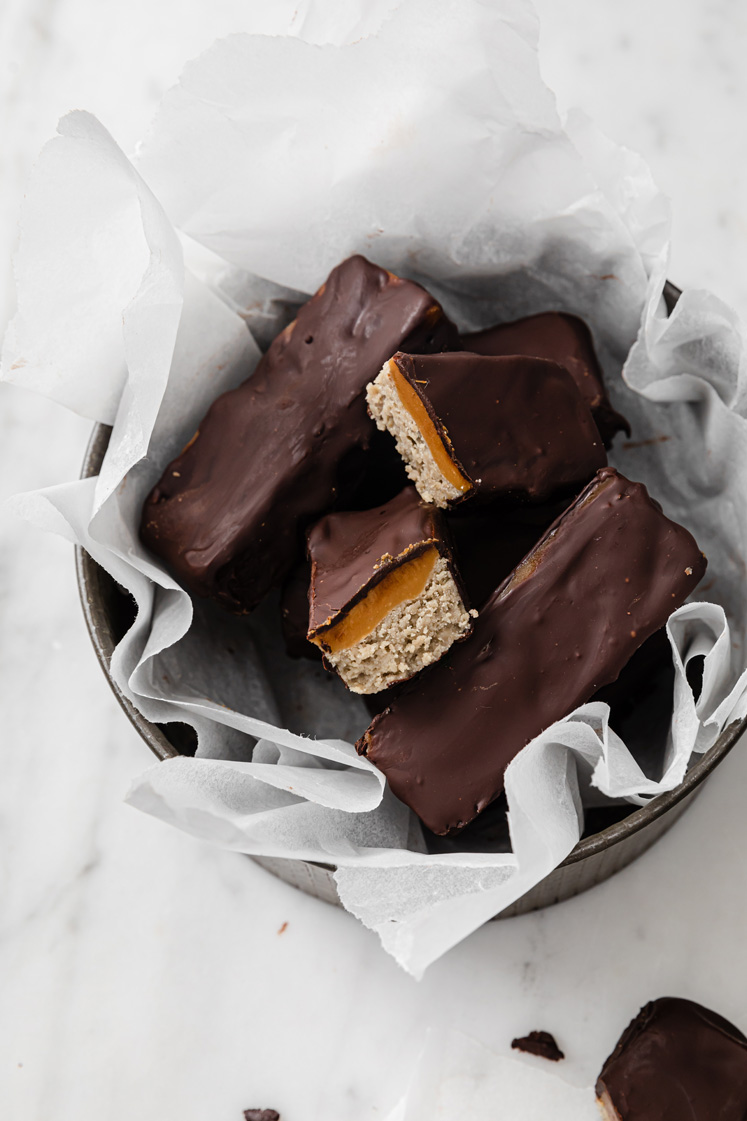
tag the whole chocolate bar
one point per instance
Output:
(290, 443)
(384, 600)
(676, 1061)
(605, 576)
(467, 425)
(561, 338)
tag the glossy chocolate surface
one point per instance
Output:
(605, 577)
(560, 338)
(351, 552)
(677, 1061)
(518, 427)
(228, 515)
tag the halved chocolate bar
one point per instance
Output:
(560, 338)
(289, 444)
(384, 598)
(676, 1060)
(605, 576)
(467, 425)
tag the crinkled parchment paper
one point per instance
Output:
(419, 133)
(458, 1079)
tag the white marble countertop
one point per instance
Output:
(145, 975)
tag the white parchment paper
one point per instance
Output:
(458, 1079)
(419, 133)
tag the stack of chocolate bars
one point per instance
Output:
(439, 511)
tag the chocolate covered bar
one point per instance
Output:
(676, 1061)
(605, 576)
(289, 444)
(560, 338)
(383, 599)
(467, 425)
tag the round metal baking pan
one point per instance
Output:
(594, 859)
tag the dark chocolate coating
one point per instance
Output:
(539, 1043)
(294, 613)
(677, 1061)
(519, 428)
(291, 442)
(607, 574)
(560, 338)
(383, 475)
(488, 544)
(261, 1115)
(344, 550)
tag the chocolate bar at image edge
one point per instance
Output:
(469, 426)
(606, 575)
(676, 1061)
(290, 443)
(384, 601)
(560, 338)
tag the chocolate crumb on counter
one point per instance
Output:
(261, 1115)
(540, 1043)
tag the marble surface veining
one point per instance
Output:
(145, 975)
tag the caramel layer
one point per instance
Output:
(417, 410)
(405, 582)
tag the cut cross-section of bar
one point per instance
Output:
(384, 600)
(606, 575)
(292, 442)
(467, 425)
(676, 1061)
(560, 338)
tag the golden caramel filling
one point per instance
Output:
(188, 445)
(412, 403)
(405, 582)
